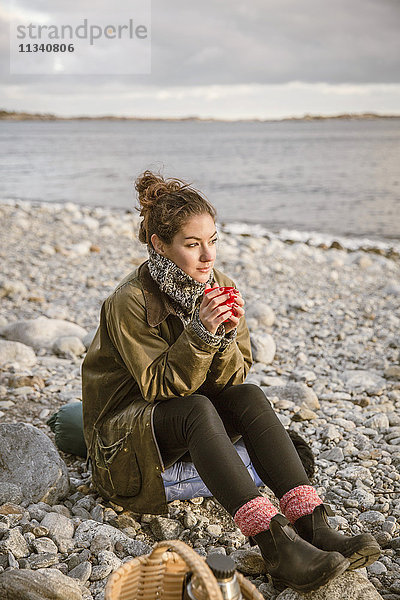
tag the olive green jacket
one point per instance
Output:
(142, 354)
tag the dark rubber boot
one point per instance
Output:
(361, 550)
(293, 562)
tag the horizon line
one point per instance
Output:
(22, 115)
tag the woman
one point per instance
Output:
(164, 376)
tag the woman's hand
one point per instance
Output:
(236, 315)
(212, 313)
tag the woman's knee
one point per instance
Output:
(198, 405)
(200, 409)
(248, 394)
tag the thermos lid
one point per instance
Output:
(222, 566)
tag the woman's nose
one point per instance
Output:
(206, 254)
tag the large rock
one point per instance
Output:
(41, 332)
(263, 347)
(30, 461)
(363, 381)
(87, 530)
(15, 352)
(299, 393)
(69, 346)
(349, 586)
(42, 584)
(262, 314)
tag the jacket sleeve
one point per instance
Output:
(161, 370)
(231, 366)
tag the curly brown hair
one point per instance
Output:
(166, 205)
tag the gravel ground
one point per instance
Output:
(324, 324)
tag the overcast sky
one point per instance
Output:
(224, 59)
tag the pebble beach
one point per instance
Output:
(324, 324)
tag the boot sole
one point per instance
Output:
(281, 584)
(363, 557)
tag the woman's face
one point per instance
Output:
(193, 249)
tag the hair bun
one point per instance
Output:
(151, 187)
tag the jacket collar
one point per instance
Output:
(158, 306)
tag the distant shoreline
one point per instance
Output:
(24, 116)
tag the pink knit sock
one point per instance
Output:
(299, 501)
(255, 516)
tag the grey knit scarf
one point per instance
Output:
(186, 294)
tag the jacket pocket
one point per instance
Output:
(117, 466)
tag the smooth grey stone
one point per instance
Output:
(12, 561)
(43, 584)
(78, 511)
(86, 532)
(389, 527)
(109, 558)
(379, 422)
(76, 559)
(262, 313)
(365, 499)
(377, 568)
(214, 530)
(13, 541)
(44, 544)
(100, 572)
(354, 472)
(249, 562)
(61, 530)
(97, 513)
(15, 352)
(298, 393)
(165, 529)
(30, 460)
(366, 381)
(351, 585)
(263, 347)
(43, 560)
(68, 346)
(334, 454)
(372, 517)
(81, 571)
(331, 433)
(41, 332)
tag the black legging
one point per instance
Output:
(206, 427)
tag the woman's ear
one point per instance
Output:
(157, 244)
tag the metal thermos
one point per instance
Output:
(223, 569)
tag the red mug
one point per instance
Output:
(230, 301)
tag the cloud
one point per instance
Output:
(202, 52)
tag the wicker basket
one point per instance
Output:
(160, 575)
